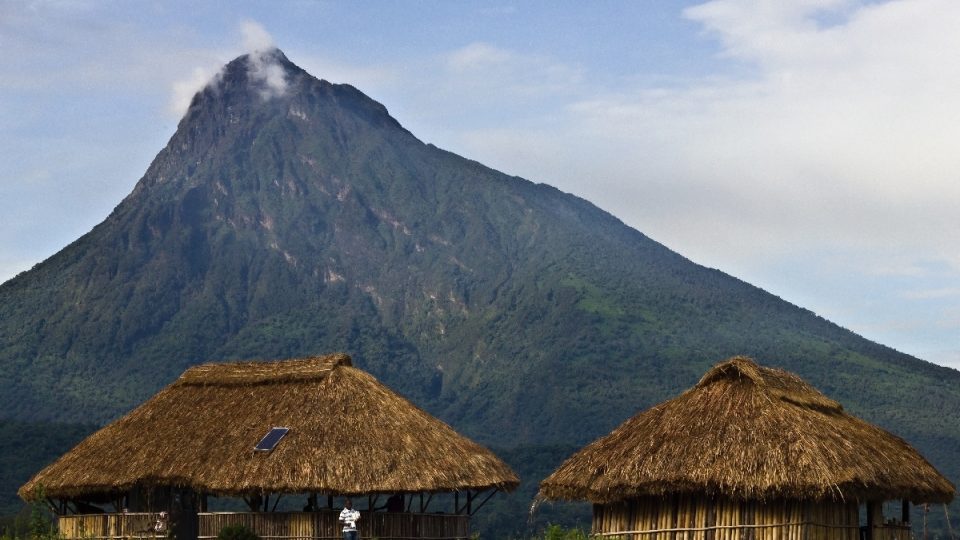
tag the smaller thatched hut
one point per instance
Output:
(749, 453)
(346, 434)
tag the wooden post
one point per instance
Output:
(870, 518)
(709, 517)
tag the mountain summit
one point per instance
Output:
(288, 216)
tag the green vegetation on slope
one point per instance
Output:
(25, 448)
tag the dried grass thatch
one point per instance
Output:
(753, 433)
(348, 435)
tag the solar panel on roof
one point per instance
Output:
(270, 440)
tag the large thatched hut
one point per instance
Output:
(749, 453)
(334, 430)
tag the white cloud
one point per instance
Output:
(929, 294)
(265, 69)
(841, 137)
(185, 89)
(263, 64)
(257, 43)
(255, 37)
(483, 71)
(477, 56)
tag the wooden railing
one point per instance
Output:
(892, 531)
(323, 525)
(130, 525)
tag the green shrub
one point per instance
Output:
(556, 532)
(41, 522)
(237, 532)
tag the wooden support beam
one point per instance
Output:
(51, 504)
(484, 501)
(465, 509)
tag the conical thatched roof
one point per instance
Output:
(748, 432)
(349, 434)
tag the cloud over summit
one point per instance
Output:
(263, 64)
(263, 68)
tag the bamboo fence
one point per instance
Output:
(129, 525)
(700, 518)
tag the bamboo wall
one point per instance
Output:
(323, 525)
(700, 518)
(133, 525)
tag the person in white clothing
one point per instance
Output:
(349, 517)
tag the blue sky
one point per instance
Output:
(807, 147)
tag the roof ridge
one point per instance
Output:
(263, 371)
(775, 382)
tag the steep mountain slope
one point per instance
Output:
(283, 222)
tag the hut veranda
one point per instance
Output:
(749, 453)
(308, 429)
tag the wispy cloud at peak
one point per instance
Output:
(185, 89)
(263, 68)
(255, 37)
(263, 64)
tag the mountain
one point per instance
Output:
(290, 216)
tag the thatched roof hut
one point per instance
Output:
(745, 439)
(348, 434)
(749, 432)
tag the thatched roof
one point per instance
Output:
(748, 432)
(348, 435)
